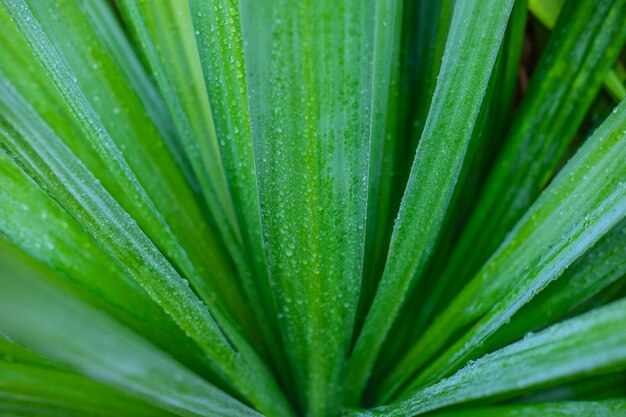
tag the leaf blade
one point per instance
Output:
(587, 344)
(414, 232)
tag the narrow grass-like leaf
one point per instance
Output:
(580, 206)
(383, 139)
(13, 353)
(582, 48)
(469, 58)
(595, 271)
(65, 392)
(425, 28)
(35, 223)
(106, 26)
(138, 173)
(596, 388)
(176, 67)
(165, 34)
(585, 345)
(495, 112)
(547, 12)
(608, 408)
(52, 320)
(196, 200)
(35, 148)
(314, 222)
(220, 46)
(420, 45)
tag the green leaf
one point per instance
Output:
(36, 224)
(38, 390)
(171, 49)
(176, 67)
(383, 138)
(220, 47)
(57, 325)
(596, 388)
(33, 146)
(426, 299)
(138, 173)
(196, 201)
(595, 271)
(579, 53)
(314, 221)
(588, 344)
(581, 205)
(11, 352)
(547, 12)
(609, 408)
(425, 28)
(437, 164)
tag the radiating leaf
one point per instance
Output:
(35, 223)
(470, 54)
(582, 48)
(33, 146)
(61, 327)
(581, 205)
(312, 140)
(220, 45)
(384, 137)
(547, 12)
(495, 112)
(588, 344)
(609, 408)
(598, 269)
(157, 196)
(24, 387)
(164, 29)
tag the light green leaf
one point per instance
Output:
(176, 67)
(35, 223)
(146, 182)
(220, 47)
(470, 54)
(312, 142)
(581, 49)
(595, 271)
(547, 12)
(33, 146)
(588, 344)
(581, 205)
(383, 139)
(421, 304)
(609, 408)
(11, 352)
(495, 112)
(425, 29)
(41, 391)
(57, 325)
(596, 388)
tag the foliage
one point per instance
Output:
(282, 208)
